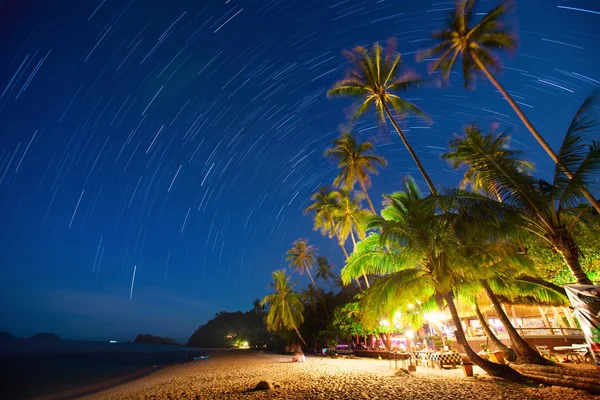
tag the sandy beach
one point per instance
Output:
(230, 376)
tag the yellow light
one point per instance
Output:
(409, 334)
(384, 322)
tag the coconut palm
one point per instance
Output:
(285, 305)
(476, 44)
(324, 204)
(509, 353)
(374, 78)
(356, 162)
(423, 262)
(539, 207)
(257, 307)
(302, 257)
(310, 296)
(324, 271)
(350, 218)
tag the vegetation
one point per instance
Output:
(233, 329)
(144, 338)
(477, 44)
(503, 236)
(356, 161)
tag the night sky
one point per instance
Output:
(183, 138)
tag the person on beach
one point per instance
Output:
(298, 354)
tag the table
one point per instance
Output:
(441, 359)
(572, 353)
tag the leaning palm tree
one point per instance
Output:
(356, 162)
(374, 79)
(538, 207)
(285, 305)
(324, 271)
(422, 263)
(476, 44)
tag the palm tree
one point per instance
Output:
(422, 263)
(538, 207)
(324, 204)
(257, 307)
(310, 296)
(350, 218)
(324, 271)
(373, 79)
(302, 257)
(356, 163)
(476, 43)
(509, 353)
(285, 305)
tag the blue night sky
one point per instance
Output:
(183, 138)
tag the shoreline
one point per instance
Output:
(233, 375)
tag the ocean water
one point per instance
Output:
(38, 368)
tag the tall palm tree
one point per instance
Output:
(324, 204)
(476, 43)
(374, 79)
(324, 271)
(356, 162)
(302, 257)
(350, 218)
(422, 263)
(537, 206)
(285, 305)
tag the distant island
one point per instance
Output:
(6, 335)
(143, 338)
(46, 336)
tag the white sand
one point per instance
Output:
(229, 376)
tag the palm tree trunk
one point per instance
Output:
(300, 336)
(525, 353)
(354, 243)
(572, 260)
(533, 131)
(494, 369)
(509, 353)
(330, 285)
(346, 254)
(364, 188)
(410, 150)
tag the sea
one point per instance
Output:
(49, 369)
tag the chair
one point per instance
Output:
(545, 352)
(583, 354)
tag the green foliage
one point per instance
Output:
(229, 328)
(285, 305)
(473, 41)
(551, 264)
(373, 78)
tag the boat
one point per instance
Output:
(200, 358)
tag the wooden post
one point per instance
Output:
(558, 318)
(569, 316)
(544, 317)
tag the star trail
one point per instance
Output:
(156, 156)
